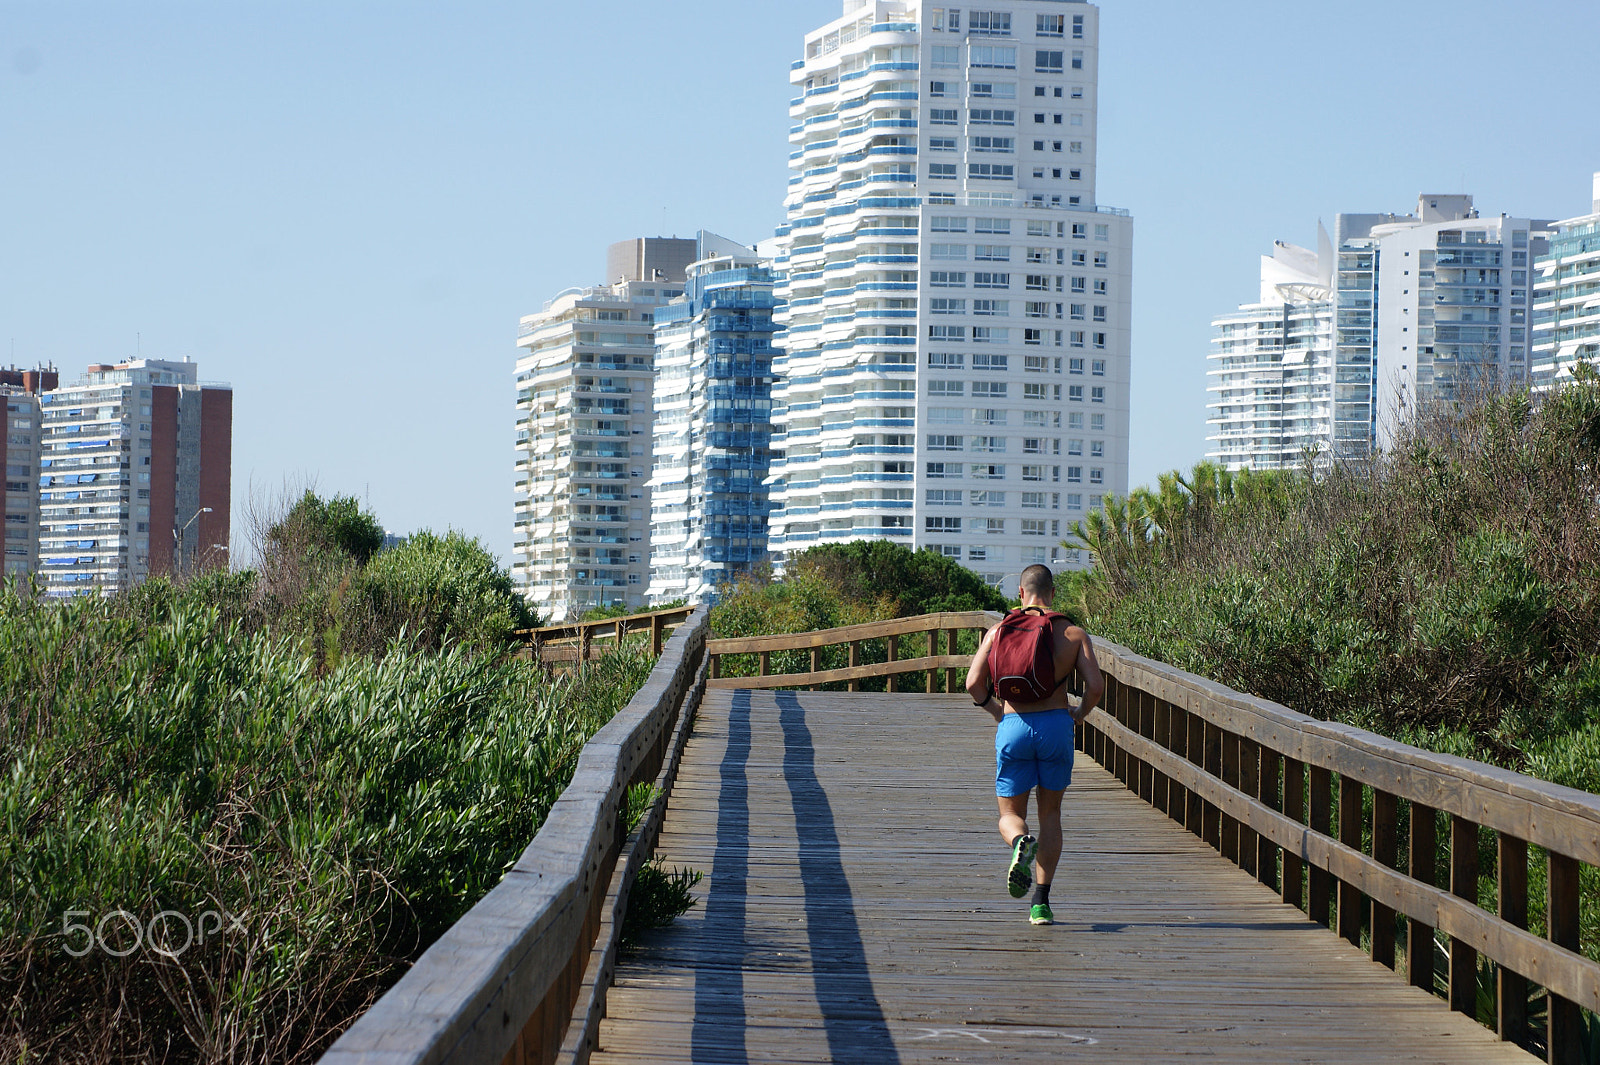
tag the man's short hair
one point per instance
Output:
(1038, 580)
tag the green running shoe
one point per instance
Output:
(1020, 876)
(1041, 914)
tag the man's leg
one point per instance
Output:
(1014, 818)
(1049, 833)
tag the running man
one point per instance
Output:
(1034, 745)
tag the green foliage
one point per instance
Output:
(161, 754)
(659, 897)
(916, 582)
(337, 524)
(621, 610)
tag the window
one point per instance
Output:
(988, 334)
(988, 471)
(991, 307)
(952, 23)
(947, 332)
(1047, 62)
(1097, 476)
(1038, 146)
(942, 524)
(946, 388)
(984, 280)
(989, 388)
(994, 253)
(1075, 447)
(1076, 337)
(946, 359)
(1097, 422)
(941, 224)
(941, 470)
(941, 144)
(989, 23)
(1074, 501)
(995, 444)
(940, 116)
(1033, 473)
(1037, 364)
(994, 90)
(1098, 367)
(986, 499)
(995, 144)
(1036, 309)
(947, 306)
(1101, 260)
(942, 442)
(992, 225)
(1099, 340)
(992, 116)
(1097, 449)
(942, 171)
(946, 55)
(1037, 283)
(1033, 337)
(1077, 312)
(947, 251)
(947, 278)
(938, 88)
(1100, 286)
(1077, 27)
(1075, 393)
(988, 362)
(1033, 527)
(942, 497)
(994, 56)
(1051, 25)
(1099, 313)
(1077, 60)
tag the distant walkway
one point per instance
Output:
(854, 910)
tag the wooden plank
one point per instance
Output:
(1561, 819)
(1386, 849)
(1321, 821)
(1194, 810)
(871, 630)
(1351, 823)
(933, 651)
(891, 651)
(1230, 776)
(1464, 885)
(1511, 989)
(1423, 866)
(1250, 784)
(843, 673)
(1211, 822)
(1561, 970)
(819, 937)
(1565, 1026)
(1294, 806)
(855, 664)
(1267, 852)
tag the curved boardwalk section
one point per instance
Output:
(854, 911)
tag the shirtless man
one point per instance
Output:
(1034, 746)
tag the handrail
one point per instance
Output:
(1238, 772)
(583, 632)
(951, 623)
(501, 984)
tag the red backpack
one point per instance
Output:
(1022, 660)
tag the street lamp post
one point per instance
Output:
(177, 536)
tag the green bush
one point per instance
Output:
(161, 754)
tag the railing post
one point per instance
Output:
(1423, 865)
(1230, 777)
(816, 665)
(583, 643)
(1511, 989)
(933, 650)
(1463, 885)
(622, 631)
(1178, 743)
(1267, 792)
(1250, 784)
(716, 665)
(1321, 821)
(1294, 808)
(949, 649)
(1385, 847)
(1144, 709)
(1161, 732)
(1211, 824)
(766, 663)
(657, 627)
(891, 647)
(1195, 747)
(1566, 1023)
(855, 660)
(1350, 825)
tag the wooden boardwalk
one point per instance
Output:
(854, 910)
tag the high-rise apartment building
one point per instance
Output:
(954, 304)
(713, 424)
(1272, 365)
(581, 533)
(20, 434)
(1566, 308)
(1427, 305)
(135, 476)
(1421, 305)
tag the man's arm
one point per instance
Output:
(1094, 685)
(978, 679)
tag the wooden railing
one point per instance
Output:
(521, 979)
(1266, 785)
(953, 664)
(575, 640)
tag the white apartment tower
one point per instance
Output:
(1566, 309)
(955, 305)
(581, 532)
(1272, 365)
(21, 437)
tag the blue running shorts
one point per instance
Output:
(1033, 750)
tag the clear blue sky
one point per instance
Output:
(344, 207)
